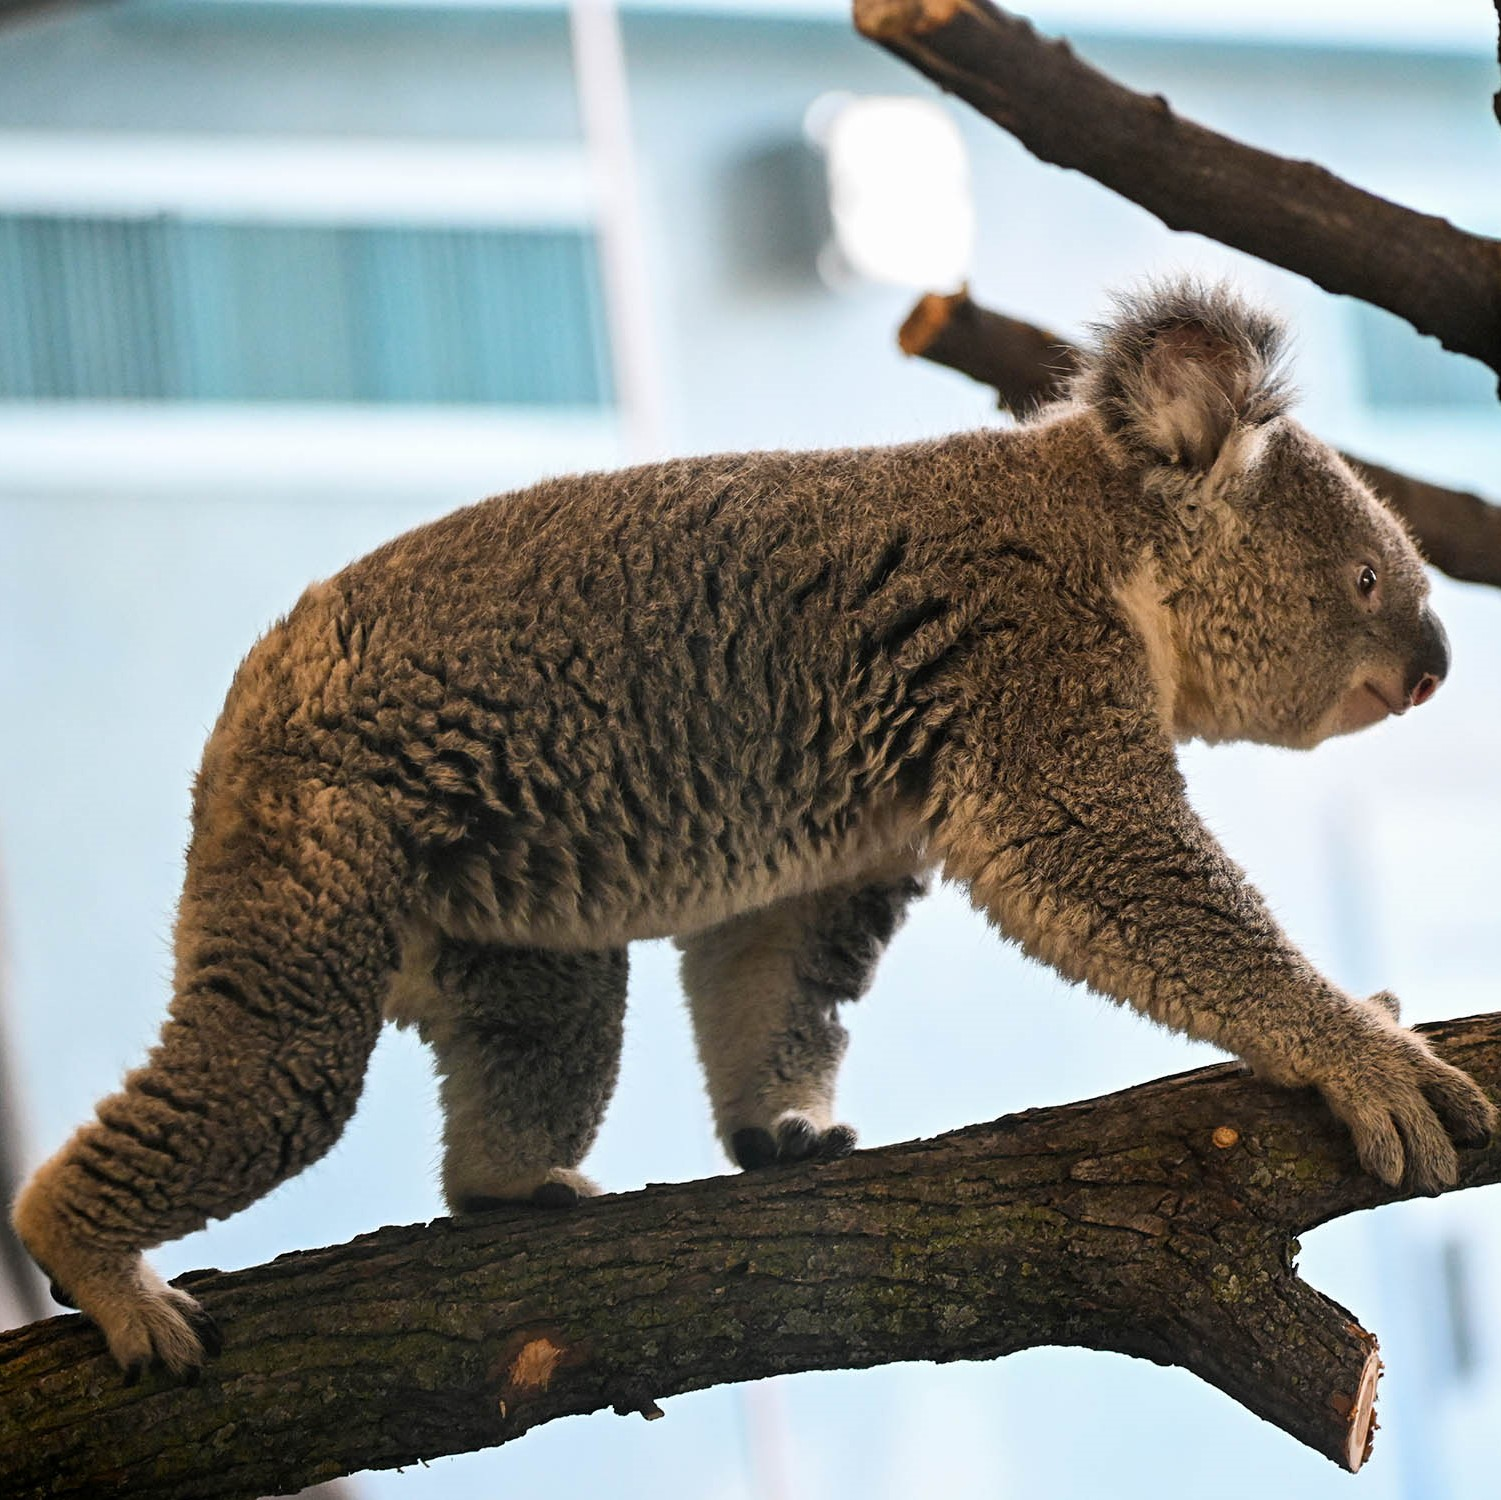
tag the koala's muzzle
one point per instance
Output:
(1430, 662)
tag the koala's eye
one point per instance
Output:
(1365, 581)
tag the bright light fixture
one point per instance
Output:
(899, 191)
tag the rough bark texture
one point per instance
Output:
(1026, 365)
(1158, 1222)
(1294, 214)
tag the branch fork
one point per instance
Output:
(1158, 1222)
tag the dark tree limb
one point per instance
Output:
(1496, 97)
(25, 10)
(1028, 366)
(1444, 281)
(1157, 1222)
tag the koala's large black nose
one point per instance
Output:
(1430, 663)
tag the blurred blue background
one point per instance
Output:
(280, 279)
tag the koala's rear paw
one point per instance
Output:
(174, 1334)
(562, 1187)
(1407, 1110)
(148, 1324)
(797, 1139)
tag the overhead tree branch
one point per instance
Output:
(1028, 366)
(17, 10)
(1157, 1222)
(1444, 281)
(1496, 97)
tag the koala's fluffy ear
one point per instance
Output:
(1180, 368)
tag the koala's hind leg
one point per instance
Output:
(527, 1043)
(764, 990)
(284, 950)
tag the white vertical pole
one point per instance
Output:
(604, 104)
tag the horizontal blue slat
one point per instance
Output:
(95, 308)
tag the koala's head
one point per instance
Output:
(1281, 601)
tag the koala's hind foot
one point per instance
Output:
(560, 1188)
(1406, 1109)
(797, 1139)
(146, 1323)
(527, 1042)
(281, 961)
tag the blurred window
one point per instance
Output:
(173, 308)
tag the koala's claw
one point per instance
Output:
(165, 1329)
(1407, 1110)
(797, 1139)
(836, 1141)
(209, 1333)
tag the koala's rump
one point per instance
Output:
(592, 716)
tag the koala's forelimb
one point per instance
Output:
(1099, 867)
(764, 990)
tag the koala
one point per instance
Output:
(751, 702)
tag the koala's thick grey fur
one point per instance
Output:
(748, 702)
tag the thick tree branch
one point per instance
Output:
(1027, 366)
(1294, 214)
(1158, 1222)
(1496, 97)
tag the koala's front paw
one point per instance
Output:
(1406, 1109)
(797, 1138)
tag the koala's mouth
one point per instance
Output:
(1382, 702)
(1363, 704)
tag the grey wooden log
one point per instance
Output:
(1295, 214)
(1026, 366)
(1159, 1222)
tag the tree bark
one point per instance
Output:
(1444, 281)
(1157, 1222)
(1027, 366)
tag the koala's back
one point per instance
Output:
(617, 706)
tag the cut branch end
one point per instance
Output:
(1363, 1422)
(927, 320)
(888, 20)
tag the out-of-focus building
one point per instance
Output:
(280, 279)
